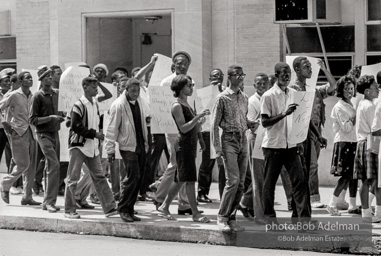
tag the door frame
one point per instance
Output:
(123, 14)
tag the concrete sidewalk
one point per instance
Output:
(152, 226)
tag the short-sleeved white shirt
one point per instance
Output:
(273, 103)
(364, 116)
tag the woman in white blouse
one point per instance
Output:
(344, 117)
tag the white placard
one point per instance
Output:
(106, 122)
(161, 70)
(311, 82)
(63, 133)
(106, 104)
(206, 97)
(298, 122)
(257, 150)
(71, 87)
(161, 99)
(36, 84)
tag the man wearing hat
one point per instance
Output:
(100, 71)
(84, 140)
(181, 61)
(44, 116)
(21, 139)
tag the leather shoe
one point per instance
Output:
(202, 198)
(126, 217)
(135, 218)
(29, 202)
(189, 211)
(5, 196)
(86, 206)
(245, 212)
(36, 189)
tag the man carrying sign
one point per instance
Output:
(303, 70)
(277, 151)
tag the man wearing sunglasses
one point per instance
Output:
(229, 114)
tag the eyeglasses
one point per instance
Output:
(217, 76)
(238, 76)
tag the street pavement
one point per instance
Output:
(43, 244)
(152, 226)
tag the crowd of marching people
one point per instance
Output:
(30, 124)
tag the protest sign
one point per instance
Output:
(63, 133)
(36, 84)
(71, 87)
(106, 104)
(206, 97)
(257, 150)
(298, 122)
(106, 121)
(161, 99)
(311, 82)
(161, 70)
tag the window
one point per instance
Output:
(374, 10)
(336, 39)
(339, 66)
(374, 37)
(8, 47)
(373, 59)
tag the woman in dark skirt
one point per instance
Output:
(188, 124)
(344, 150)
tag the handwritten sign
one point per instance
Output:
(161, 99)
(105, 105)
(161, 70)
(36, 83)
(311, 82)
(206, 97)
(298, 122)
(257, 150)
(106, 122)
(71, 87)
(64, 143)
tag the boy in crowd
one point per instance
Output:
(84, 140)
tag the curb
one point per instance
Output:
(128, 230)
(146, 231)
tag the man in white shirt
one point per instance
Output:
(277, 150)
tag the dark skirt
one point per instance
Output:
(186, 167)
(343, 158)
(366, 163)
